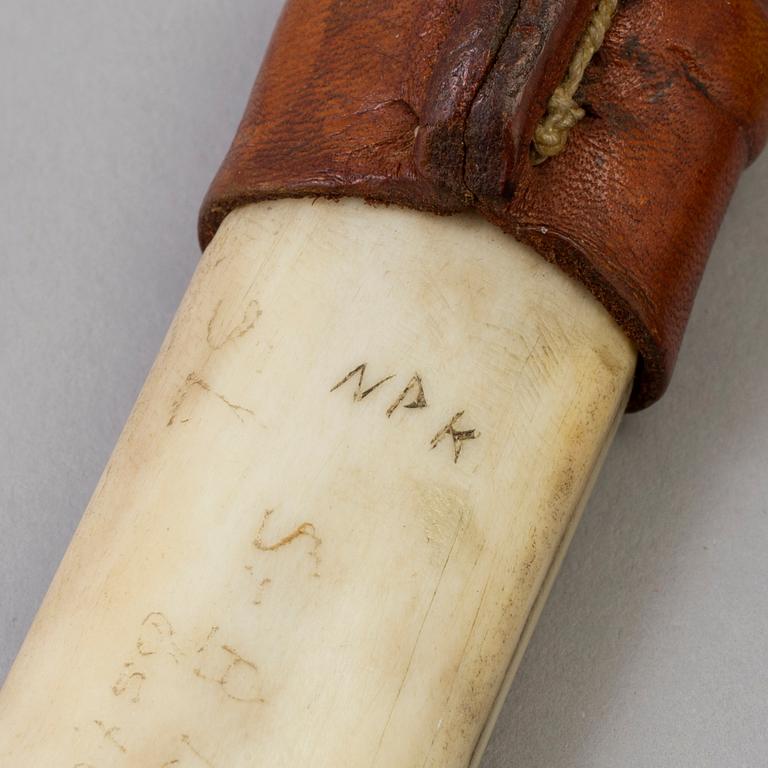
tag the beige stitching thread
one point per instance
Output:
(563, 111)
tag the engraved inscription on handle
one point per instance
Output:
(415, 395)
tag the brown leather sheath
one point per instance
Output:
(433, 104)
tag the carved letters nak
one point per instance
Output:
(413, 397)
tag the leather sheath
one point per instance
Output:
(432, 104)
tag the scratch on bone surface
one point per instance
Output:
(463, 654)
(216, 340)
(305, 529)
(193, 380)
(418, 636)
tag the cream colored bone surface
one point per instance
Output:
(326, 529)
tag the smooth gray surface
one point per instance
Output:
(653, 648)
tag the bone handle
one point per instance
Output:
(325, 533)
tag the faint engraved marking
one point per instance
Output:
(185, 740)
(305, 529)
(129, 682)
(217, 663)
(237, 409)
(109, 735)
(170, 763)
(415, 387)
(263, 585)
(417, 641)
(237, 676)
(458, 436)
(188, 743)
(240, 678)
(211, 634)
(360, 392)
(178, 402)
(156, 636)
(193, 380)
(216, 336)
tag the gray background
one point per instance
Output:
(113, 118)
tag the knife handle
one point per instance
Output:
(329, 525)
